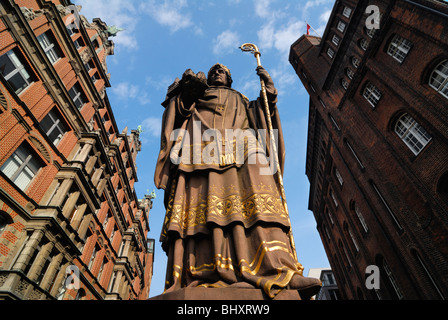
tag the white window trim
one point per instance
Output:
(439, 71)
(341, 26)
(49, 48)
(20, 69)
(372, 94)
(399, 48)
(347, 12)
(408, 129)
(22, 162)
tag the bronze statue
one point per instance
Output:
(226, 223)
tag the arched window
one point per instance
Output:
(360, 217)
(412, 133)
(439, 78)
(363, 43)
(350, 73)
(355, 62)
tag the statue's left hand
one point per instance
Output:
(264, 75)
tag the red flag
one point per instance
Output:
(308, 29)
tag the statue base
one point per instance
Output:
(198, 293)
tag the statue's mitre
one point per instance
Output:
(219, 65)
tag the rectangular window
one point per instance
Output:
(372, 94)
(338, 176)
(14, 71)
(361, 218)
(22, 166)
(54, 126)
(95, 77)
(392, 280)
(335, 123)
(341, 26)
(399, 48)
(347, 12)
(334, 198)
(354, 154)
(47, 42)
(77, 96)
(330, 52)
(322, 102)
(79, 43)
(386, 205)
(335, 39)
(412, 133)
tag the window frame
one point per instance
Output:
(399, 48)
(363, 44)
(411, 133)
(56, 122)
(20, 68)
(78, 95)
(50, 47)
(341, 26)
(27, 162)
(347, 12)
(443, 84)
(331, 55)
(336, 40)
(369, 91)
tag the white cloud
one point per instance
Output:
(114, 12)
(266, 36)
(226, 42)
(168, 13)
(286, 36)
(126, 91)
(323, 18)
(262, 8)
(152, 126)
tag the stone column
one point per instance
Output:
(101, 185)
(117, 284)
(84, 225)
(82, 156)
(39, 263)
(70, 204)
(90, 165)
(97, 175)
(78, 217)
(53, 268)
(28, 250)
(61, 193)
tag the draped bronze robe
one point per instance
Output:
(225, 224)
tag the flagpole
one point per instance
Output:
(313, 29)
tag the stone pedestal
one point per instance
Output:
(225, 294)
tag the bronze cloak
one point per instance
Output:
(225, 224)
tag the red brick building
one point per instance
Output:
(377, 155)
(67, 175)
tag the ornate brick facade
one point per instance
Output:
(67, 197)
(377, 155)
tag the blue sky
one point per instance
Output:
(163, 38)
